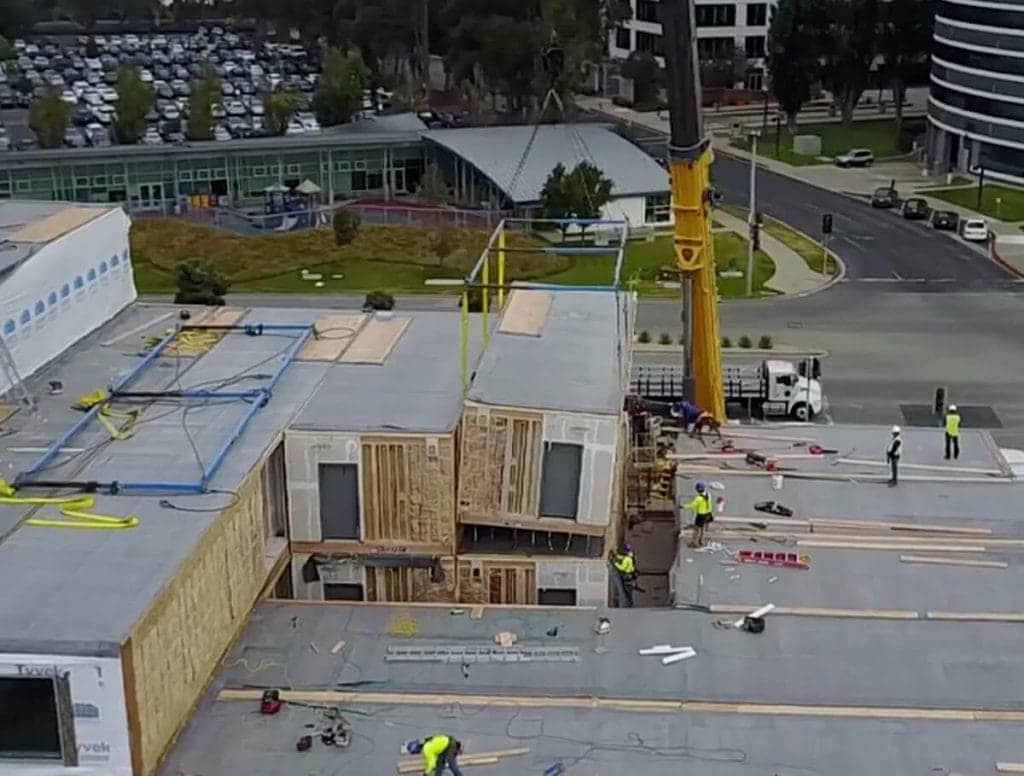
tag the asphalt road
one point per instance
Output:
(874, 244)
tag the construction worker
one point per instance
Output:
(686, 412)
(624, 564)
(892, 455)
(439, 752)
(952, 432)
(705, 420)
(703, 512)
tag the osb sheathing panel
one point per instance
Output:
(408, 489)
(393, 585)
(501, 461)
(177, 644)
(497, 582)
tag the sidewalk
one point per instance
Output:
(792, 275)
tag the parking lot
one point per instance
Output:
(83, 70)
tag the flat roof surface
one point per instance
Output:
(497, 152)
(27, 224)
(795, 661)
(574, 365)
(417, 389)
(69, 591)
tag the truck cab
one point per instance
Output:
(788, 392)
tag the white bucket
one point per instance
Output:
(776, 482)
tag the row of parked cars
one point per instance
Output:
(84, 70)
(917, 209)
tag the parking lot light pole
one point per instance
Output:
(752, 215)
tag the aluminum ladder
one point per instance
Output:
(10, 371)
(481, 653)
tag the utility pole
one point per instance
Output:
(981, 185)
(752, 215)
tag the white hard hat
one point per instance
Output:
(952, 408)
(895, 429)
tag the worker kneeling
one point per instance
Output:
(695, 420)
(703, 511)
(439, 752)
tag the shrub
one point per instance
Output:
(441, 244)
(199, 282)
(644, 337)
(681, 340)
(346, 226)
(765, 343)
(664, 338)
(378, 300)
(726, 342)
(744, 342)
(476, 300)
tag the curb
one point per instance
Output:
(994, 257)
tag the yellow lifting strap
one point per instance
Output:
(89, 400)
(71, 507)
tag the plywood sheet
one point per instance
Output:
(375, 341)
(334, 333)
(526, 312)
(6, 410)
(60, 223)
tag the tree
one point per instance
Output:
(849, 46)
(6, 49)
(580, 193)
(200, 282)
(205, 92)
(133, 100)
(792, 56)
(346, 226)
(433, 187)
(642, 69)
(907, 27)
(725, 70)
(279, 105)
(339, 91)
(441, 244)
(48, 118)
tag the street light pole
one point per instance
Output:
(752, 215)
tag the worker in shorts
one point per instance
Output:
(703, 511)
(439, 752)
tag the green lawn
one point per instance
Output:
(1009, 207)
(810, 251)
(879, 136)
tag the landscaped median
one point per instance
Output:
(879, 136)
(1000, 202)
(401, 259)
(811, 252)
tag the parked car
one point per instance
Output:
(152, 137)
(914, 209)
(883, 197)
(75, 138)
(97, 135)
(5, 141)
(220, 133)
(974, 230)
(856, 157)
(946, 220)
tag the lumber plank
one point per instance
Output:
(825, 522)
(334, 333)
(847, 477)
(812, 611)
(925, 467)
(466, 758)
(1010, 767)
(375, 341)
(976, 616)
(526, 312)
(986, 564)
(464, 762)
(886, 539)
(886, 545)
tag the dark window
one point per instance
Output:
(622, 39)
(10, 326)
(555, 596)
(375, 180)
(648, 11)
(65, 291)
(358, 180)
(40, 307)
(754, 46)
(657, 209)
(990, 17)
(51, 300)
(275, 495)
(336, 591)
(30, 717)
(981, 105)
(651, 44)
(994, 63)
(560, 480)
(715, 48)
(339, 500)
(757, 14)
(283, 587)
(716, 15)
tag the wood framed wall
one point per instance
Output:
(175, 647)
(497, 581)
(384, 584)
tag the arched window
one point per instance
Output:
(125, 257)
(26, 316)
(9, 327)
(114, 260)
(90, 275)
(51, 300)
(78, 281)
(65, 291)
(103, 268)
(40, 307)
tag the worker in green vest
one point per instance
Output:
(439, 752)
(624, 564)
(703, 513)
(952, 432)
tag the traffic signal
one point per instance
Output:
(826, 223)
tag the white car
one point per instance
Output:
(145, 76)
(108, 94)
(234, 108)
(220, 133)
(295, 128)
(256, 107)
(152, 137)
(856, 157)
(69, 97)
(974, 229)
(309, 123)
(171, 112)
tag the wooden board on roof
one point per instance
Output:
(526, 312)
(375, 341)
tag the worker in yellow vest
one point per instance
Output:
(439, 752)
(624, 564)
(703, 511)
(952, 432)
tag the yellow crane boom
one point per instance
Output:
(689, 168)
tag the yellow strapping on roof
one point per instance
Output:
(60, 223)
(375, 341)
(526, 312)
